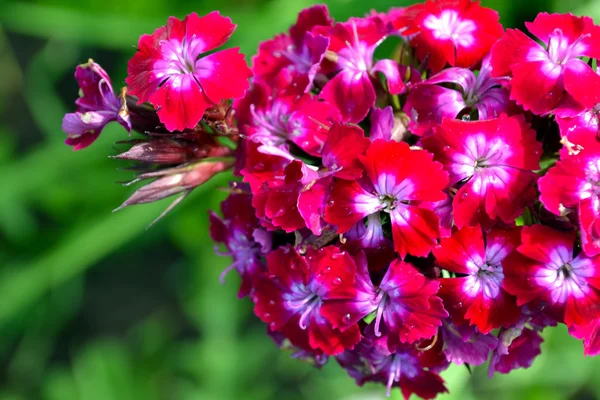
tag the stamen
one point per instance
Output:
(380, 314)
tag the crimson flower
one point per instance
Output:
(477, 295)
(542, 75)
(392, 184)
(169, 71)
(490, 163)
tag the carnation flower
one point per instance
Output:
(298, 53)
(391, 185)
(454, 32)
(290, 296)
(545, 271)
(542, 75)
(476, 295)
(490, 163)
(170, 71)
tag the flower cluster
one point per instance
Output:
(398, 215)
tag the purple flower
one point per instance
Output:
(465, 344)
(431, 101)
(240, 231)
(96, 107)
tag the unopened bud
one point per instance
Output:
(158, 151)
(174, 181)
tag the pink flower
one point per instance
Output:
(477, 295)
(392, 184)
(169, 72)
(240, 232)
(280, 113)
(490, 163)
(352, 44)
(299, 53)
(572, 185)
(431, 101)
(97, 106)
(290, 297)
(541, 75)
(544, 271)
(455, 32)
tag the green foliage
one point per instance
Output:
(94, 307)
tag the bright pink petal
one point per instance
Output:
(181, 102)
(352, 93)
(223, 75)
(583, 83)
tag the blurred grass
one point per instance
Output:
(95, 307)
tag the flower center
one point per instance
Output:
(561, 51)
(450, 26)
(305, 301)
(273, 123)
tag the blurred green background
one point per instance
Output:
(93, 306)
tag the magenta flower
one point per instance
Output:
(476, 295)
(240, 232)
(490, 163)
(431, 101)
(455, 32)
(170, 72)
(572, 185)
(542, 75)
(299, 53)
(353, 44)
(544, 270)
(290, 297)
(391, 184)
(97, 106)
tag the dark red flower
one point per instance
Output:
(413, 371)
(405, 304)
(170, 72)
(299, 53)
(279, 113)
(290, 297)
